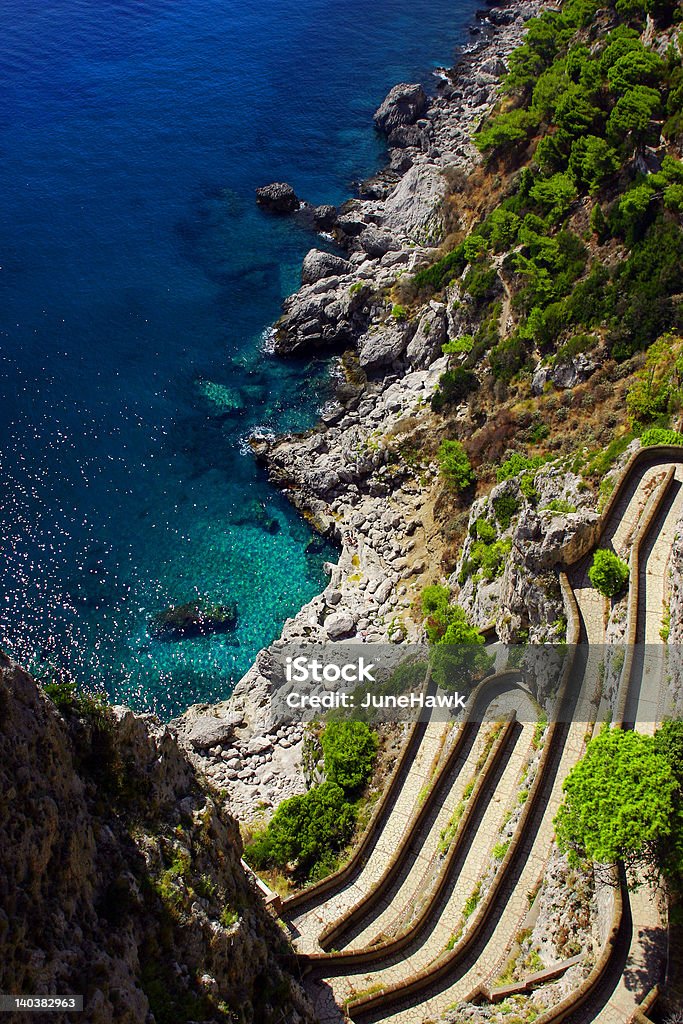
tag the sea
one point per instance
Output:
(138, 284)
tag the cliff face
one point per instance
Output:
(121, 878)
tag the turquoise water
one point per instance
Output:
(137, 279)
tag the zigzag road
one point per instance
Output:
(432, 968)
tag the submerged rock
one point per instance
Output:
(193, 619)
(278, 197)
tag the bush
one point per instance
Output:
(632, 113)
(608, 573)
(481, 281)
(592, 161)
(618, 799)
(482, 529)
(505, 131)
(454, 387)
(517, 463)
(559, 505)
(446, 622)
(463, 344)
(349, 749)
(305, 830)
(505, 506)
(508, 357)
(555, 195)
(656, 389)
(440, 273)
(657, 435)
(458, 656)
(455, 465)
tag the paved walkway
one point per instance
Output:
(473, 859)
(307, 922)
(638, 953)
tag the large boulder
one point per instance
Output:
(414, 208)
(318, 264)
(384, 345)
(324, 217)
(431, 334)
(321, 316)
(279, 197)
(210, 731)
(377, 243)
(339, 625)
(403, 106)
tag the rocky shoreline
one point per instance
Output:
(360, 477)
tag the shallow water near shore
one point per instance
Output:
(137, 279)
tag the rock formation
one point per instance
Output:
(121, 877)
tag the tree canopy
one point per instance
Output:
(349, 749)
(619, 799)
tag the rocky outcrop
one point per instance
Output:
(564, 374)
(404, 104)
(318, 264)
(518, 590)
(429, 338)
(278, 197)
(196, 618)
(121, 877)
(384, 344)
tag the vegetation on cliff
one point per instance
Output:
(563, 271)
(307, 833)
(623, 801)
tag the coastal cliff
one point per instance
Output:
(121, 876)
(496, 300)
(366, 476)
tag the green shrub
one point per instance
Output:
(555, 195)
(455, 465)
(608, 573)
(656, 389)
(618, 799)
(446, 622)
(481, 281)
(505, 131)
(506, 507)
(657, 435)
(493, 558)
(601, 462)
(454, 387)
(482, 529)
(442, 272)
(517, 463)
(464, 343)
(349, 750)
(559, 505)
(632, 113)
(528, 488)
(508, 357)
(304, 830)
(592, 161)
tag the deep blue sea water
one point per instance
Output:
(137, 278)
